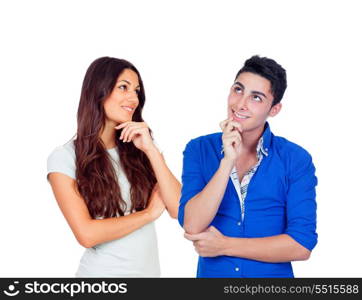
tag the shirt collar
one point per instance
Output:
(260, 148)
(266, 139)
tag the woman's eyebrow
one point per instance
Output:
(124, 81)
(137, 87)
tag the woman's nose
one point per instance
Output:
(132, 96)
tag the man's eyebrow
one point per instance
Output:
(259, 93)
(253, 92)
(239, 84)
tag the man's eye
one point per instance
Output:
(237, 89)
(257, 98)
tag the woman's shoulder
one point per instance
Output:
(62, 160)
(63, 151)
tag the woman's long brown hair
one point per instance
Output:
(96, 178)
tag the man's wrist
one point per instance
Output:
(234, 246)
(226, 163)
(227, 246)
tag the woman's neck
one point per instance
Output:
(108, 135)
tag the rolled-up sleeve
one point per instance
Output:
(301, 200)
(192, 179)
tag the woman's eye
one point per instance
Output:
(123, 87)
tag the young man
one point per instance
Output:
(248, 197)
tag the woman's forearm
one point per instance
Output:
(89, 231)
(169, 186)
(97, 231)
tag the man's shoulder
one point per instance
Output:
(212, 137)
(287, 148)
(204, 140)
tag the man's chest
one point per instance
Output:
(243, 166)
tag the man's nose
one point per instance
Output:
(242, 103)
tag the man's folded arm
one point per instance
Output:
(200, 200)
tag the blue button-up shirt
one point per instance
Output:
(280, 199)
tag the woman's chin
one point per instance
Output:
(121, 120)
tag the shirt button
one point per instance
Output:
(239, 223)
(236, 269)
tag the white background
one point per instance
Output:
(188, 53)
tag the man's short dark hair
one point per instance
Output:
(269, 69)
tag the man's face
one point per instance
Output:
(250, 101)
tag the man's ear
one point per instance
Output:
(275, 109)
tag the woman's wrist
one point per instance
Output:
(147, 214)
(152, 150)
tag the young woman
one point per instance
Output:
(111, 182)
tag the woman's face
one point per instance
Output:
(123, 101)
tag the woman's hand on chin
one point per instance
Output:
(138, 133)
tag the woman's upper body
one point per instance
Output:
(105, 196)
(122, 257)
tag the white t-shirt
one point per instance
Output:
(134, 255)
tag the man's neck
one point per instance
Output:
(251, 139)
